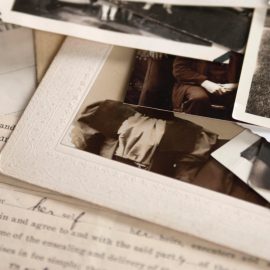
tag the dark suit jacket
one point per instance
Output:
(194, 72)
(191, 72)
(110, 115)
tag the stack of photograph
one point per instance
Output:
(155, 109)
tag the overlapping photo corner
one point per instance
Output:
(150, 19)
(246, 156)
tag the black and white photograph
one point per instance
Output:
(252, 99)
(159, 142)
(260, 172)
(259, 95)
(184, 84)
(246, 155)
(231, 31)
(183, 30)
(164, 142)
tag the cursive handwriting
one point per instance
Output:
(39, 207)
(76, 220)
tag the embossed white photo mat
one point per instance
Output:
(39, 153)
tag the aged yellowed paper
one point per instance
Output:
(43, 230)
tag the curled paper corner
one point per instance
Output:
(257, 130)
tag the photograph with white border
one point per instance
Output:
(161, 141)
(183, 84)
(244, 148)
(221, 3)
(143, 25)
(252, 99)
(37, 154)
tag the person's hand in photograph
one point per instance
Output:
(229, 86)
(214, 88)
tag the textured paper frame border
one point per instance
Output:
(32, 155)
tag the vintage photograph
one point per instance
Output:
(160, 141)
(260, 172)
(184, 84)
(252, 99)
(245, 156)
(259, 95)
(181, 24)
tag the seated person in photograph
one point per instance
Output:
(191, 85)
(157, 141)
(200, 84)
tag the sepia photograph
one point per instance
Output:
(164, 142)
(184, 84)
(181, 30)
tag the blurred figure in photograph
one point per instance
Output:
(157, 141)
(109, 10)
(200, 84)
(192, 86)
(167, 7)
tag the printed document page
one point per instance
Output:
(41, 230)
